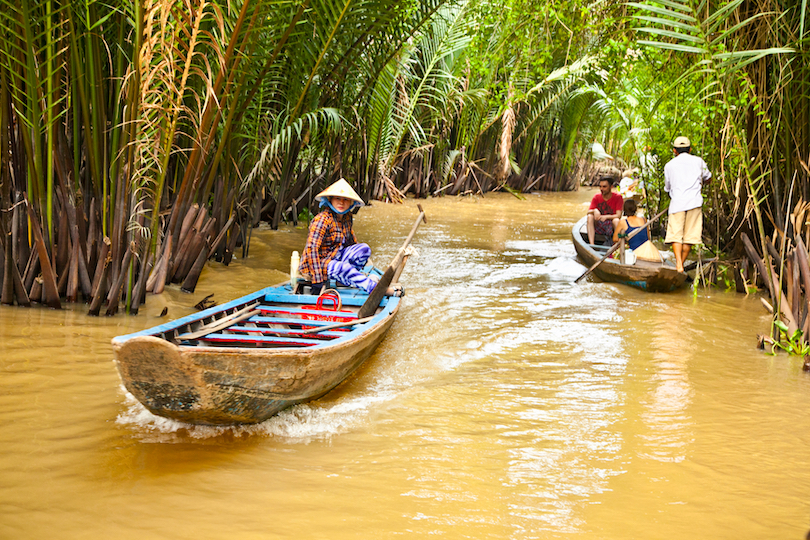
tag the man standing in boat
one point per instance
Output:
(605, 210)
(684, 176)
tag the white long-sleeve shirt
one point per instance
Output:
(684, 176)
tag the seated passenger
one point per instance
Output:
(631, 188)
(640, 243)
(332, 250)
(629, 223)
(605, 211)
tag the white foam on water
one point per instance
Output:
(313, 421)
(301, 423)
(540, 248)
(568, 268)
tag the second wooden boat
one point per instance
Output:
(644, 275)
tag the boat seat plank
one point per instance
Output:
(247, 329)
(310, 312)
(288, 320)
(347, 298)
(266, 340)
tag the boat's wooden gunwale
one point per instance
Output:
(271, 302)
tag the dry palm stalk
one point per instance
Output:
(198, 246)
(92, 234)
(161, 268)
(220, 237)
(12, 283)
(114, 296)
(31, 270)
(72, 294)
(36, 291)
(103, 261)
(139, 293)
(190, 283)
(63, 247)
(101, 276)
(61, 284)
(50, 292)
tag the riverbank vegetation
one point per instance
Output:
(139, 141)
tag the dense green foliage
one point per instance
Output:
(119, 122)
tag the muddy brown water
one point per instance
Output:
(507, 402)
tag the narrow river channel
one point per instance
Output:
(507, 402)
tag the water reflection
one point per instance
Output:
(666, 407)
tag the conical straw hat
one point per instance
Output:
(647, 252)
(341, 188)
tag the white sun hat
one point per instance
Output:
(681, 142)
(341, 188)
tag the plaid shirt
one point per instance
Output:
(328, 232)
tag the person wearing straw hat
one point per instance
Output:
(684, 176)
(332, 250)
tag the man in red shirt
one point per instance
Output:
(605, 211)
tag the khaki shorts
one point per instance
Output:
(685, 227)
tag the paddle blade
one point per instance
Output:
(371, 304)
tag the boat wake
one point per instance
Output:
(299, 424)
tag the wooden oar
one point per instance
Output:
(214, 326)
(373, 300)
(617, 244)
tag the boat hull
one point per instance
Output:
(647, 276)
(215, 385)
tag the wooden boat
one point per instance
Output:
(644, 275)
(246, 360)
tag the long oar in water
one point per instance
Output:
(373, 300)
(616, 245)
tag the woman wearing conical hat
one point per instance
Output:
(332, 249)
